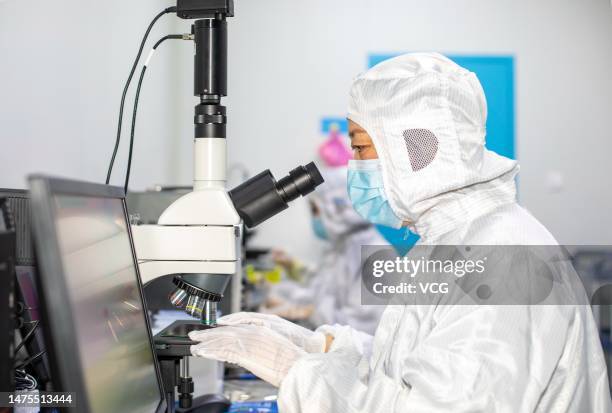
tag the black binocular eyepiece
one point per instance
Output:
(262, 197)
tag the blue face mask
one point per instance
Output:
(319, 229)
(365, 189)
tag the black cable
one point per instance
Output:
(29, 360)
(27, 336)
(142, 73)
(24, 381)
(127, 85)
(170, 36)
(129, 164)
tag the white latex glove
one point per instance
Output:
(266, 354)
(309, 341)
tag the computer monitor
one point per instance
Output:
(92, 295)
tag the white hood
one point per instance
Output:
(427, 116)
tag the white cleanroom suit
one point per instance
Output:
(426, 116)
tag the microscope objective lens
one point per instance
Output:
(178, 297)
(195, 306)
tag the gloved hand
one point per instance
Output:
(309, 341)
(266, 354)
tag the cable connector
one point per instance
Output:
(185, 36)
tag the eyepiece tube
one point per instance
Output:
(261, 197)
(300, 181)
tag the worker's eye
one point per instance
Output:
(358, 148)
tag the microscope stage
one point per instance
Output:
(174, 340)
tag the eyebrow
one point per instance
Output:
(355, 132)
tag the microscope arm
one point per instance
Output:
(163, 250)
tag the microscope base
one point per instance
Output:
(171, 345)
(209, 403)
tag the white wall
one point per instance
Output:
(290, 63)
(62, 69)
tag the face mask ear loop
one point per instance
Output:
(406, 234)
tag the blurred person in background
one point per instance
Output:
(331, 293)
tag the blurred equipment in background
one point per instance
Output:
(594, 266)
(250, 396)
(29, 323)
(260, 272)
(7, 312)
(334, 152)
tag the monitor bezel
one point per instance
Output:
(66, 369)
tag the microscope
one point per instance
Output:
(197, 238)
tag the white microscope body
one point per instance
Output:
(197, 238)
(200, 232)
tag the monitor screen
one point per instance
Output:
(103, 291)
